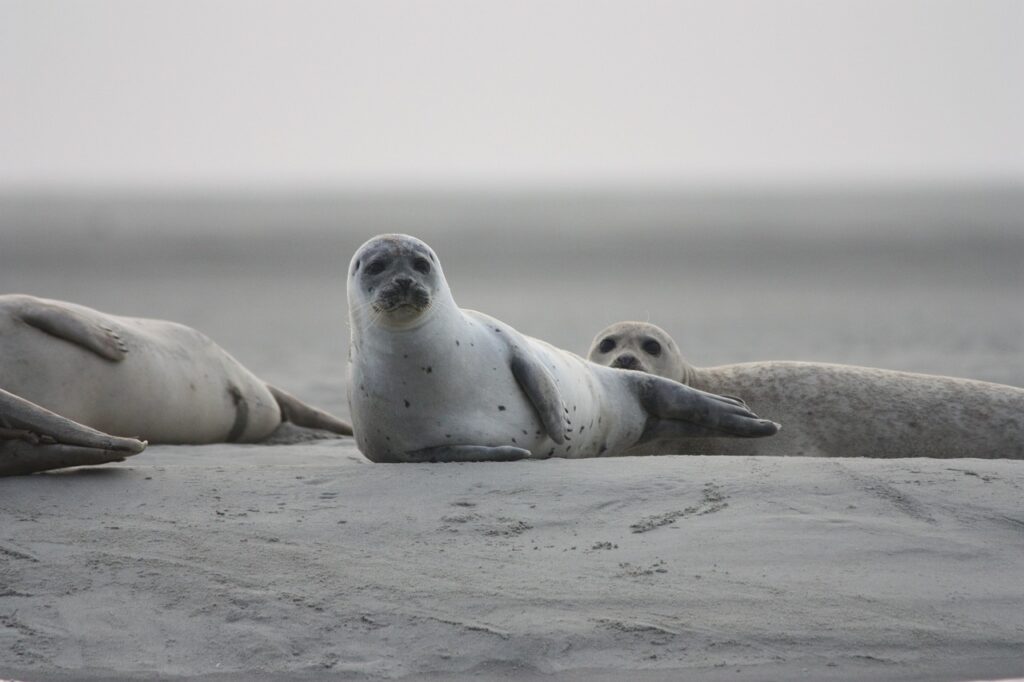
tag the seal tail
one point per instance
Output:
(299, 413)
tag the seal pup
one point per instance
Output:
(431, 382)
(34, 439)
(898, 414)
(152, 379)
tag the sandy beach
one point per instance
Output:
(307, 562)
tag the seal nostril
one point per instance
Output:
(626, 361)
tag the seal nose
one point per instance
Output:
(626, 361)
(403, 283)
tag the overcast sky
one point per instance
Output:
(507, 93)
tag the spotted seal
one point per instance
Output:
(836, 410)
(429, 381)
(150, 379)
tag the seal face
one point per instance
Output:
(431, 382)
(638, 346)
(837, 410)
(399, 280)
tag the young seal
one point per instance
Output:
(431, 382)
(157, 380)
(898, 414)
(33, 439)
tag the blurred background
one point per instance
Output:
(818, 180)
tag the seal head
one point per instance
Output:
(639, 346)
(398, 279)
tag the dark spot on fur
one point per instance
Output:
(457, 342)
(405, 356)
(603, 448)
(430, 370)
(501, 408)
(407, 403)
(551, 452)
(514, 439)
(581, 429)
(497, 330)
(525, 433)
(447, 435)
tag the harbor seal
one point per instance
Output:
(151, 379)
(898, 414)
(431, 382)
(34, 439)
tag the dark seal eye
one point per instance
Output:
(652, 347)
(607, 346)
(375, 268)
(421, 265)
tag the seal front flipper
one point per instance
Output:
(94, 333)
(540, 388)
(307, 416)
(696, 413)
(468, 453)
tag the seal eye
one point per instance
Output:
(421, 265)
(375, 268)
(652, 347)
(607, 346)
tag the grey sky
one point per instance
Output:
(495, 93)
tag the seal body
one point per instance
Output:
(431, 382)
(153, 379)
(898, 414)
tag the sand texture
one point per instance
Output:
(306, 562)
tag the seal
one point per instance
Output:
(898, 414)
(34, 439)
(151, 379)
(431, 382)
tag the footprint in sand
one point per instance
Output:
(712, 500)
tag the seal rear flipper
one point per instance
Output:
(696, 413)
(468, 453)
(299, 413)
(20, 415)
(92, 332)
(18, 458)
(540, 388)
(35, 439)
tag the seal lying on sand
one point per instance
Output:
(431, 382)
(897, 414)
(33, 439)
(151, 379)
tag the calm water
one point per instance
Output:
(926, 284)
